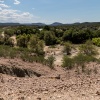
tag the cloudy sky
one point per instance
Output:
(48, 11)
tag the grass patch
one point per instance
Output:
(79, 62)
(23, 53)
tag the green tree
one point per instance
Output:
(49, 38)
(46, 28)
(22, 40)
(36, 45)
(33, 42)
(40, 47)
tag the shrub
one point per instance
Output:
(50, 61)
(96, 41)
(50, 38)
(36, 45)
(22, 40)
(88, 48)
(67, 48)
(67, 62)
(81, 59)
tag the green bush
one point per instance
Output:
(50, 61)
(67, 62)
(22, 40)
(81, 59)
(88, 48)
(96, 41)
(78, 61)
(67, 48)
(36, 45)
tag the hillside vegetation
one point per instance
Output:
(29, 42)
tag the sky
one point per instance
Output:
(49, 11)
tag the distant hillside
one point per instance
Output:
(38, 24)
(56, 24)
(53, 24)
(9, 24)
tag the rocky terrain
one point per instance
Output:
(21, 80)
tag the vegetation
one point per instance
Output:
(32, 39)
(88, 48)
(96, 41)
(50, 61)
(67, 48)
(67, 62)
(79, 63)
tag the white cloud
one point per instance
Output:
(0, 8)
(4, 6)
(16, 2)
(10, 15)
(1, 1)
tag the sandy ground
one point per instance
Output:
(57, 52)
(57, 84)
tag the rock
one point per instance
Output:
(1, 99)
(38, 98)
(21, 98)
(57, 77)
(98, 93)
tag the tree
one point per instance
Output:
(22, 40)
(67, 36)
(47, 28)
(36, 45)
(49, 38)
(33, 42)
(9, 32)
(40, 47)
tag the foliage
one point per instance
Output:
(40, 48)
(46, 27)
(1, 39)
(36, 45)
(50, 61)
(96, 41)
(88, 48)
(49, 38)
(67, 48)
(10, 42)
(23, 53)
(77, 36)
(6, 51)
(25, 30)
(81, 59)
(9, 32)
(22, 40)
(33, 42)
(67, 62)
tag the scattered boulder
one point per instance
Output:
(98, 92)
(1, 98)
